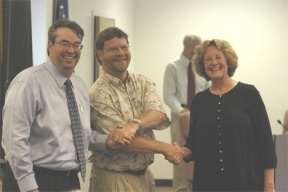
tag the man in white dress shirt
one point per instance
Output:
(175, 96)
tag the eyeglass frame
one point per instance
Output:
(124, 48)
(78, 48)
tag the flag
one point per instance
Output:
(60, 9)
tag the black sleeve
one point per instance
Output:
(262, 133)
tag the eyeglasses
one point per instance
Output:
(124, 48)
(66, 45)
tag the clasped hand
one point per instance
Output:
(174, 154)
(120, 136)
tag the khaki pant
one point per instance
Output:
(111, 181)
(180, 182)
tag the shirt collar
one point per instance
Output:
(57, 76)
(184, 59)
(114, 80)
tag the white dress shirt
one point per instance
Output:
(176, 83)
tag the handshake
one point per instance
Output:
(174, 153)
(124, 138)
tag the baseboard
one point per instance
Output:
(164, 182)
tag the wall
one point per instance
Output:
(256, 29)
(38, 16)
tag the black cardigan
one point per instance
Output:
(231, 140)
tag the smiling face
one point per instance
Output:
(215, 63)
(115, 57)
(64, 59)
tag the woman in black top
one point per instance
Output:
(230, 138)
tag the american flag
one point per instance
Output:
(61, 9)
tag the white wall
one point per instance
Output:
(39, 32)
(257, 29)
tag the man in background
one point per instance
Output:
(180, 86)
(119, 97)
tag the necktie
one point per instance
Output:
(76, 127)
(191, 86)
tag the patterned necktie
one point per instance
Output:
(76, 127)
(191, 86)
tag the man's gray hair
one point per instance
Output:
(191, 38)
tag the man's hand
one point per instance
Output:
(130, 129)
(118, 138)
(174, 154)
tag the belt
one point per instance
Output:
(41, 170)
(137, 173)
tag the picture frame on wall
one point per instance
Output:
(100, 23)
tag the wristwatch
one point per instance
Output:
(138, 121)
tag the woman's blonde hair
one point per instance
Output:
(222, 45)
